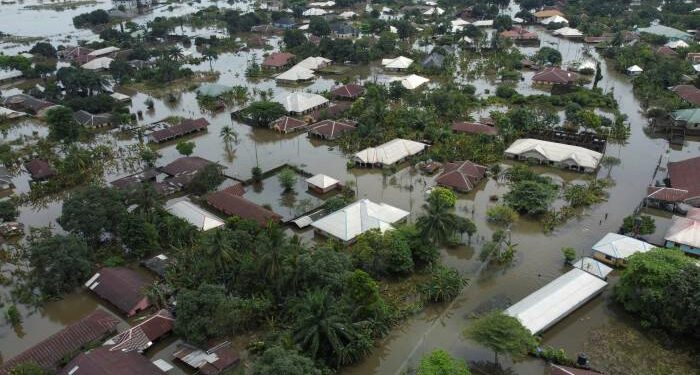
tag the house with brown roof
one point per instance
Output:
(50, 353)
(187, 126)
(462, 176)
(473, 128)
(230, 202)
(330, 129)
(689, 93)
(122, 287)
(286, 124)
(520, 34)
(102, 361)
(186, 165)
(685, 175)
(546, 13)
(278, 60)
(39, 169)
(666, 51)
(555, 76)
(134, 180)
(27, 103)
(347, 92)
(78, 54)
(141, 336)
(212, 361)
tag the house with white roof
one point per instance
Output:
(103, 51)
(357, 218)
(684, 232)
(635, 70)
(296, 74)
(347, 15)
(100, 63)
(314, 62)
(483, 23)
(322, 184)
(398, 63)
(615, 248)
(302, 102)
(673, 44)
(413, 81)
(555, 154)
(434, 11)
(568, 32)
(314, 12)
(554, 19)
(390, 153)
(201, 219)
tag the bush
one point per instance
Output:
(501, 214)
(440, 362)
(569, 254)
(287, 178)
(444, 285)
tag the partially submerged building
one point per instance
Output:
(348, 92)
(91, 121)
(554, 301)
(278, 60)
(684, 232)
(462, 176)
(39, 169)
(330, 129)
(102, 361)
(467, 127)
(142, 336)
(27, 103)
(685, 175)
(322, 184)
(358, 217)
(212, 361)
(286, 124)
(390, 153)
(615, 248)
(397, 63)
(554, 154)
(555, 76)
(298, 103)
(122, 287)
(50, 353)
(230, 202)
(187, 126)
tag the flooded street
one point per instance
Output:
(538, 259)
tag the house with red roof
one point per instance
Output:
(102, 361)
(685, 175)
(286, 124)
(122, 287)
(689, 93)
(230, 202)
(473, 128)
(141, 336)
(278, 60)
(555, 76)
(462, 176)
(348, 92)
(49, 354)
(520, 34)
(39, 169)
(330, 129)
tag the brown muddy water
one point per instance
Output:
(538, 259)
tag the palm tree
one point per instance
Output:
(210, 54)
(322, 329)
(219, 248)
(228, 135)
(157, 294)
(438, 224)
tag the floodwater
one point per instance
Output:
(538, 259)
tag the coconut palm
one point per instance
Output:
(438, 224)
(228, 135)
(210, 55)
(218, 246)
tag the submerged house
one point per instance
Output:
(685, 175)
(278, 60)
(462, 176)
(102, 361)
(187, 126)
(473, 128)
(231, 202)
(286, 124)
(555, 76)
(298, 103)
(358, 217)
(615, 248)
(212, 361)
(554, 154)
(50, 353)
(388, 154)
(199, 218)
(296, 74)
(322, 184)
(330, 129)
(348, 92)
(89, 120)
(122, 287)
(27, 103)
(689, 93)
(39, 169)
(684, 232)
(141, 336)
(398, 63)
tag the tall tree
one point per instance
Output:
(62, 125)
(93, 211)
(59, 263)
(501, 333)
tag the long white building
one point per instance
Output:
(555, 154)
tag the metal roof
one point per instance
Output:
(620, 247)
(359, 217)
(390, 152)
(556, 152)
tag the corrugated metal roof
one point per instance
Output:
(359, 217)
(621, 247)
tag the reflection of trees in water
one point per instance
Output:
(489, 368)
(288, 199)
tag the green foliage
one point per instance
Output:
(529, 193)
(440, 362)
(639, 225)
(195, 312)
(287, 178)
(206, 180)
(500, 249)
(661, 287)
(580, 195)
(8, 210)
(257, 174)
(60, 263)
(319, 26)
(439, 224)
(444, 285)
(501, 333)
(569, 254)
(443, 196)
(62, 126)
(44, 49)
(280, 361)
(29, 368)
(91, 19)
(13, 316)
(548, 56)
(261, 113)
(93, 211)
(423, 251)
(382, 254)
(138, 235)
(185, 148)
(501, 214)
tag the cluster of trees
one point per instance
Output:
(530, 193)
(661, 286)
(97, 17)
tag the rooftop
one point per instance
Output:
(359, 217)
(120, 286)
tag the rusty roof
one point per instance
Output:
(187, 126)
(278, 59)
(685, 175)
(461, 175)
(213, 361)
(348, 91)
(473, 128)
(287, 124)
(102, 361)
(555, 75)
(331, 129)
(49, 353)
(666, 194)
(688, 93)
(141, 336)
(228, 202)
(122, 287)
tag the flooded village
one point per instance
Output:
(383, 187)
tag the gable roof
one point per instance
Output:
(298, 102)
(359, 217)
(463, 176)
(556, 152)
(28, 102)
(666, 31)
(187, 126)
(390, 152)
(201, 219)
(685, 230)
(210, 362)
(120, 286)
(105, 362)
(555, 76)
(296, 73)
(49, 353)
(620, 246)
(688, 93)
(141, 336)
(685, 175)
(39, 169)
(313, 62)
(228, 202)
(667, 194)
(186, 165)
(286, 124)
(691, 116)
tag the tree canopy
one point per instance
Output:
(501, 333)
